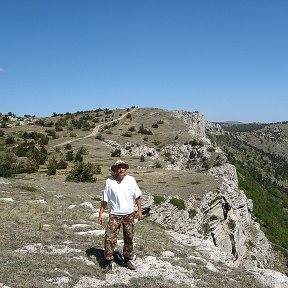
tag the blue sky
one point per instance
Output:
(225, 58)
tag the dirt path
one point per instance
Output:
(95, 130)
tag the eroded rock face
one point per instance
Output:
(195, 122)
(214, 128)
(234, 230)
(132, 149)
(223, 217)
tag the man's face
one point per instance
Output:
(120, 170)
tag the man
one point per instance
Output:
(121, 192)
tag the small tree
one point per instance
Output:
(62, 164)
(132, 129)
(78, 157)
(98, 170)
(100, 137)
(81, 172)
(10, 140)
(52, 166)
(145, 131)
(69, 155)
(68, 146)
(42, 155)
(83, 150)
(8, 164)
(116, 153)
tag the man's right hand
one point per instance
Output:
(101, 218)
(101, 211)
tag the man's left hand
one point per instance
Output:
(139, 215)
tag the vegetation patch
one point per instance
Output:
(179, 203)
(28, 188)
(82, 172)
(158, 199)
(192, 213)
(206, 228)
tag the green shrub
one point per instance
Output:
(96, 198)
(206, 228)
(116, 153)
(98, 170)
(69, 155)
(144, 131)
(62, 164)
(213, 217)
(100, 137)
(28, 188)
(179, 203)
(28, 166)
(68, 147)
(52, 166)
(132, 129)
(72, 134)
(195, 183)
(81, 172)
(8, 164)
(158, 165)
(192, 213)
(127, 134)
(231, 225)
(10, 140)
(158, 199)
(196, 142)
(78, 157)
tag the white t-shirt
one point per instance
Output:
(121, 194)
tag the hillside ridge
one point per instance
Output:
(191, 189)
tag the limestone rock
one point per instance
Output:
(195, 122)
(223, 217)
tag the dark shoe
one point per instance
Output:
(107, 266)
(128, 264)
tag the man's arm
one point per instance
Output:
(101, 211)
(139, 213)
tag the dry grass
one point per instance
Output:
(48, 229)
(41, 214)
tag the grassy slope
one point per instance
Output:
(52, 225)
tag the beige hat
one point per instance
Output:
(117, 163)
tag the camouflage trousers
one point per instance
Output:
(112, 232)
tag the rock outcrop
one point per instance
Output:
(195, 122)
(223, 216)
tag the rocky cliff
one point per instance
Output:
(223, 216)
